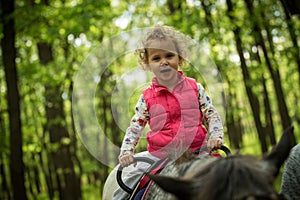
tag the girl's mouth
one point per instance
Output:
(165, 70)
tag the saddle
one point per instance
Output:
(141, 187)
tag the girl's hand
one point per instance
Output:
(126, 160)
(214, 143)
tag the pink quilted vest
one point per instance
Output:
(175, 118)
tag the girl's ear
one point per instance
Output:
(180, 61)
(147, 67)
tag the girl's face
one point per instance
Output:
(163, 61)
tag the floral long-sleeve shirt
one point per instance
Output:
(141, 116)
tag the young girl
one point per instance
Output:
(173, 106)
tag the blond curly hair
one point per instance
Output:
(160, 32)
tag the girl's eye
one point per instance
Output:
(170, 55)
(155, 58)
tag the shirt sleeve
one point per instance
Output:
(210, 115)
(135, 130)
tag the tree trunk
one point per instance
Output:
(13, 100)
(36, 176)
(233, 126)
(46, 169)
(293, 35)
(268, 115)
(173, 6)
(292, 6)
(208, 18)
(269, 125)
(275, 75)
(254, 103)
(68, 183)
(296, 49)
(4, 191)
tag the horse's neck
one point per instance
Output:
(187, 169)
(191, 168)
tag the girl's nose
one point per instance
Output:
(164, 62)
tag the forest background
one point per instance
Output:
(47, 152)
